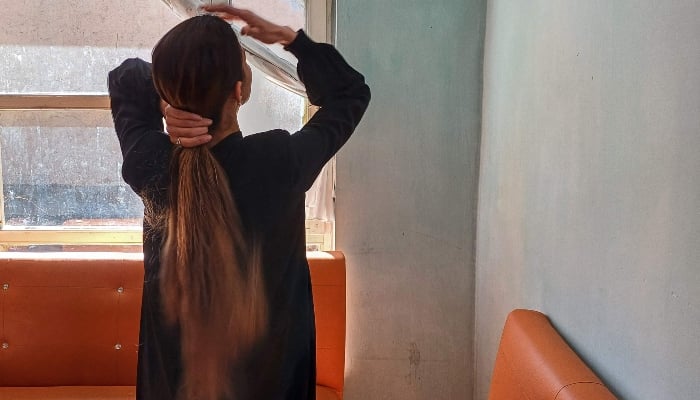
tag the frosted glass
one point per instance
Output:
(59, 166)
(54, 47)
(60, 69)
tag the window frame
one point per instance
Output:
(319, 234)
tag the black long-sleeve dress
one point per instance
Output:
(269, 173)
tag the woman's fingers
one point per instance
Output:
(183, 123)
(190, 142)
(256, 27)
(186, 132)
(186, 123)
(229, 12)
(185, 128)
(189, 137)
(176, 113)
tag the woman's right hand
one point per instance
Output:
(184, 128)
(256, 26)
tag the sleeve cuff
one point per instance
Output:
(301, 45)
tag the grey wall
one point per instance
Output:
(407, 195)
(589, 199)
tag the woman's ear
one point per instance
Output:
(238, 93)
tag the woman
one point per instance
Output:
(227, 308)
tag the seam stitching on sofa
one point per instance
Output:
(119, 336)
(61, 287)
(576, 383)
(2, 313)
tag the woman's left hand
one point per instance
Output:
(255, 26)
(186, 129)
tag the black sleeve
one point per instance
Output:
(341, 94)
(138, 122)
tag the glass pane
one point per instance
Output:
(58, 46)
(47, 47)
(270, 107)
(64, 168)
(53, 69)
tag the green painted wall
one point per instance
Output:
(589, 198)
(407, 184)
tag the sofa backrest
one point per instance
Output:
(328, 285)
(534, 362)
(69, 319)
(72, 319)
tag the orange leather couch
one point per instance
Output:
(535, 363)
(69, 324)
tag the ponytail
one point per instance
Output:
(211, 282)
(211, 279)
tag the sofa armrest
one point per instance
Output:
(534, 362)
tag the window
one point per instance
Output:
(60, 161)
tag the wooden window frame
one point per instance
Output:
(319, 234)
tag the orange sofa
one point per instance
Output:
(535, 363)
(69, 324)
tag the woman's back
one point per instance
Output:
(267, 174)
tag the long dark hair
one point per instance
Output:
(210, 277)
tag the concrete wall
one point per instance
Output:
(589, 198)
(406, 197)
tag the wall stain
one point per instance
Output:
(366, 248)
(414, 363)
